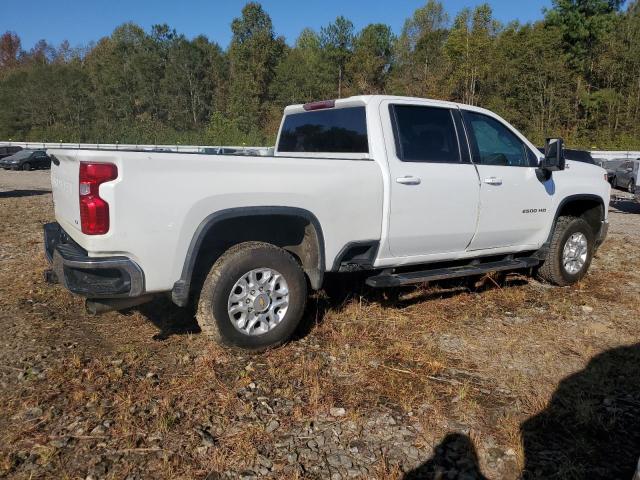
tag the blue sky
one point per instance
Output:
(81, 21)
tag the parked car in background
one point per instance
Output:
(610, 166)
(576, 155)
(579, 156)
(626, 174)
(246, 151)
(220, 151)
(26, 160)
(7, 151)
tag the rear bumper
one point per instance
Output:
(94, 277)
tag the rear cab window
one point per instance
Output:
(332, 131)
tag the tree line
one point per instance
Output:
(574, 73)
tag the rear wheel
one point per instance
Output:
(253, 297)
(570, 252)
(26, 166)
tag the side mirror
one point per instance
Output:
(553, 155)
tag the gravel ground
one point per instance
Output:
(507, 378)
(11, 180)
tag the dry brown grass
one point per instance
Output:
(441, 358)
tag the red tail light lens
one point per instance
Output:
(94, 211)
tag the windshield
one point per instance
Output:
(22, 154)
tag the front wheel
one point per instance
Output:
(253, 297)
(26, 166)
(570, 252)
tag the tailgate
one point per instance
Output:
(65, 172)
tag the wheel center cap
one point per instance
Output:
(261, 303)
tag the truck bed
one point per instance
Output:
(160, 198)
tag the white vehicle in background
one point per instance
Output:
(405, 189)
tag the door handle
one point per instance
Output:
(493, 181)
(408, 180)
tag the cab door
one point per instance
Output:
(434, 188)
(515, 204)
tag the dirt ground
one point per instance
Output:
(13, 180)
(508, 379)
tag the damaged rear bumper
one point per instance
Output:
(94, 277)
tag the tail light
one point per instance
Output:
(94, 211)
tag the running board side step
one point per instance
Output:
(385, 280)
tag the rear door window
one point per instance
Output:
(336, 130)
(425, 134)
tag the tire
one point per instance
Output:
(231, 268)
(26, 166)
(632, 186)
(554, 270)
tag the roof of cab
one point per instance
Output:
(363, 100)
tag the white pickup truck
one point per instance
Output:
(406, 189)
